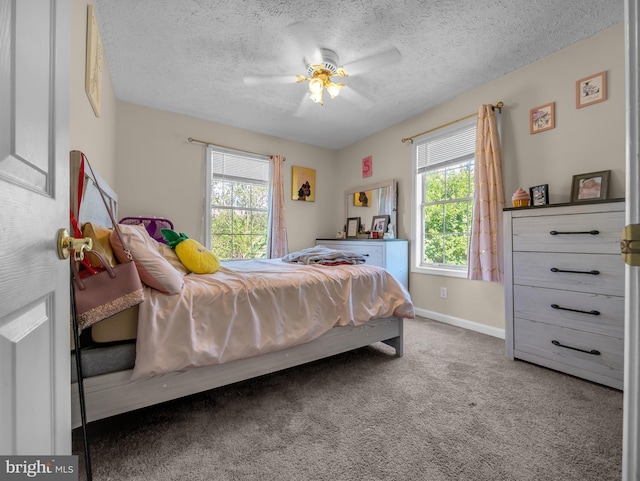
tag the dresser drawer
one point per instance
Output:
(373, 254)
(534, 269)
(533, 233)
(601, 314)
(535, 342)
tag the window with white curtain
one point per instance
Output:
(237, 210)
(443, 192)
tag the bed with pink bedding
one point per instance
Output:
(247, 319)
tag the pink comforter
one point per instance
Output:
(254, 307)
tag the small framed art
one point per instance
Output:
(591, 90)
(542, 118)
(303, 184)
(362, 199)
(539, 194)
(379, 224)
(590, 187)
(353, 226)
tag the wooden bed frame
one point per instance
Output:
(110, 394)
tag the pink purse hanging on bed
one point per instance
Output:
(107, 291)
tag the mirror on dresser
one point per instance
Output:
(367, 201)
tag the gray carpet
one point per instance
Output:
(453, 408)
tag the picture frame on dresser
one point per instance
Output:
(379, 223)
(353, 226)
(539, 194)
(590, 187)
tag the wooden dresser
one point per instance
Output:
(392, 254)
(564, 288)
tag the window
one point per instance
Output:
(444, 183)
(237, 208)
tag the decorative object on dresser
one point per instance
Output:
(520, 198)
(591, 186)
(393, 255)
(353, 227)
(564, 289)
(591, 90)
(379, 224)
(542, 118)
(539, 194)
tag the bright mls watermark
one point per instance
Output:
(50, 468)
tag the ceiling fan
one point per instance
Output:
(323, 70)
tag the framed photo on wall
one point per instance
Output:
(542, 118)
(590, 187)
(303, 184)
(362, 199)
(591, 90)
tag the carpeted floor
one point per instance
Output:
(453, 408)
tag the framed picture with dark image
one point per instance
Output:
(539, 194)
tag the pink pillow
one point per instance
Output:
(154, 269)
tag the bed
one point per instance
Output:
(175, 353)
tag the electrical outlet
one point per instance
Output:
(443, 292)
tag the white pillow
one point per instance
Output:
(150, 258)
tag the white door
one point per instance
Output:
(35, 413)
(631, 440)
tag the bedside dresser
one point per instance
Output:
(564, 288)
(392, 254)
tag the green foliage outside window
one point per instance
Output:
(447, 211)
(239, 219)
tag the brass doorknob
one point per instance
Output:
(67, 244)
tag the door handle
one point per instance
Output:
(630, 244)
(68, 244)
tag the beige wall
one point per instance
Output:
(95, 136)
(156, 171)
(585, 140)
(160, 173)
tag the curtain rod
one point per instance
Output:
(191, 139)
(498, 106)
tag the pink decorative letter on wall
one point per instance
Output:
(367, 169)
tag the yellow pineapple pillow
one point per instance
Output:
(193, 255)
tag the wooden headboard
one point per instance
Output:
(93, 209)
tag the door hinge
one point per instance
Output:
(630, 244)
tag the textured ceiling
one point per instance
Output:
(190, 56)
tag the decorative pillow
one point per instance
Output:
(193, 255)
(100, 237)
(154, 270)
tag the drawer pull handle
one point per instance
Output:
(592, 272)
(592, 312)
(592, 351)
(591, 232)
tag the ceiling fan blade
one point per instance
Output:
(306, 41)
(353, 96)
(269, 79)
(380, 60)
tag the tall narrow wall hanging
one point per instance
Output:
(303, 184)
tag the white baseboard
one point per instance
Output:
(464, 323)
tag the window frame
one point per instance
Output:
(417, 224)
(209, 177)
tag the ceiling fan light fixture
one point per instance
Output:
(334, 89)
(315, 85)
(317, 97)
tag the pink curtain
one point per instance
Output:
(486, 261)
(277, 245)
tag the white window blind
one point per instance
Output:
(443, 150)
